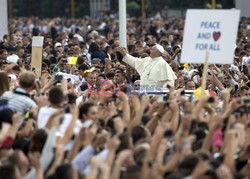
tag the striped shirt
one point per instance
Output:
(19, 100)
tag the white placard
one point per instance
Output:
(214, 31)
(37, 41)
(3, 18)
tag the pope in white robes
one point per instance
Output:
(153, 70)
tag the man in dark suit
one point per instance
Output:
(90, 83)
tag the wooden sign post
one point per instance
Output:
(37, 54)
(204, 75)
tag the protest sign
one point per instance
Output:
(72, 60)
(37, 52)
(3, 18)
(212, 31)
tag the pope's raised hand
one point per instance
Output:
(121, 50)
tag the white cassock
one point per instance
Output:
(154, 71)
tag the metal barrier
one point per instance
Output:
(164, 92)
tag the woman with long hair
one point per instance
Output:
(4, 83)
(95, 52)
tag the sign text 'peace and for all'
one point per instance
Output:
(206, 44)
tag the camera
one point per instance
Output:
(58, 77)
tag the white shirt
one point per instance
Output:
(82, 159)
(44, 115)
(245, 61)
(154, 71)
(80, 38)
(73, 78)
(101, 158)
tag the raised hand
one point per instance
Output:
(121, 50)
(113, 143)
(200, 170)
(35, 160)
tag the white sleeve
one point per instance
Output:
(132, 61)
(82, 159)
(101, 158)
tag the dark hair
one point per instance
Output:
(135, 54)
(6, 116)
(77, 29)
(16, 68)
(84, 108)
(64, 171)
(133, 171)
(4, 83)
(246, 47)
(175, 175)
(80, 60)
(131, 48)
(139, 156)
(83, 67)
(199, 133)
(188, 164)
(236, 51)
(163, 42)
(2, 51)
(242, 53)
(125, 142)
(56, 95)
(108, 48)
(8, 171)
(44, 66)
(47, 62)
(145, 119)
(175, 47)
(15, 30)
(52, 59)
(110, 75)
(88, 39)
(138, 132)
(14, 158)
(102, 75)
(202, 154)
(244, 88)
(94, 47)
(19, 48)
(111, 122)
(82, 45)
(121, 72)
(5, 36)
(37, 141)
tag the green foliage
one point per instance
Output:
(133, 8)
(62, 8)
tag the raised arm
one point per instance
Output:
(125, 105)
(69, 131)
(139, 109)
(132, 61)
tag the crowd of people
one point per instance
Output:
(83, 116)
